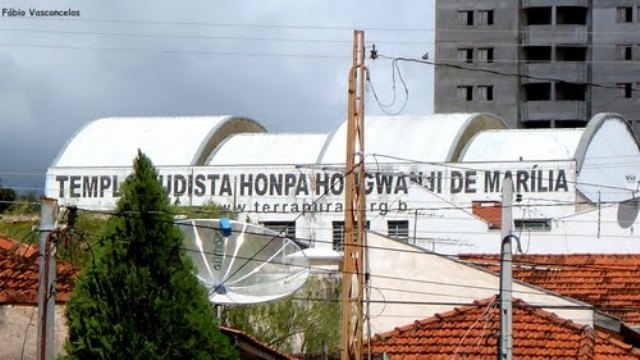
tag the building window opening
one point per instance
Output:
(624, 14)
(571, 15)
(465, 93)
(538, 15)
(338, 234)
(485, 92)
(398, 229)
(537, 92)
(284, 228)
(624, 52)
(537, 53)
(485, 17)
(624, 90)
(570, 92)
(485, 55)
(465, 55)
(537, 124)
(576, 123)
(465, 17)
(571, 53)
(533, 224)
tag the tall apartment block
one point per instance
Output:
(539, 63)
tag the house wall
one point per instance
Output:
(437, 279)
(16, 321)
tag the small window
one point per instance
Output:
(465, 93)
(338, 234)
(538, 15)
(485, 55)
(624, 90)
(465, 55)
(624, 52)
(465, 17)
(485, 17)
(284, 228)
(537, 92)
(624, 14)
(398, 229)
(533, 224)
(485, 92)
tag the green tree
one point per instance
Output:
(7, 197)
(138, 298)
(293, 324)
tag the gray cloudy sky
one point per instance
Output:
(195, 58)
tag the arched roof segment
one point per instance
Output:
(608, 154)
(437, 137)
(523, 144)
(114, 141)
(268, 149)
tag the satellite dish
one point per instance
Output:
(628, 212)
(242, 263)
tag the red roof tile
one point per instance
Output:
(19, 274)
(609, 282)
(471, 332)
(235, 333)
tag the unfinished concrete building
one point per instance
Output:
(539, 63)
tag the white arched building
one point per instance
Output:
(434, 180)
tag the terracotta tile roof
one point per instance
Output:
(241, 335)
(610, 282)
(19, 274)
(471, 332)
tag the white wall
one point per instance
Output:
(424, 277)
(16, 321)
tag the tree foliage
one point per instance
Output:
(293, 325)
(7, 197)
(138, 298)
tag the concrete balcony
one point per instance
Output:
(555, 34)
(540, 3)
(561, 70)
(554, 110)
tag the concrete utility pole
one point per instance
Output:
(354, 213)
(505, 342)
(47, 280)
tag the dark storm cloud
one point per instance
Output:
(60, 74)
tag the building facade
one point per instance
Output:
(539, 63)
(432, 180)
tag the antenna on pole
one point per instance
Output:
(354, 215)
(505, 342)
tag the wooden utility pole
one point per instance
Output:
(354, 214)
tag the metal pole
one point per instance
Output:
(505, 342)
(415, 226)
(47, 280)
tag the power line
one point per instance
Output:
(177, 52)
(500, 73)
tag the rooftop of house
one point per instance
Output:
(609, 282)
(471, 332)
(19, 274)
(251, 348)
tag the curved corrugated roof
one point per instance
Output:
(608, 155)
(114, 141)
(437, 138)
(252, 149)
(605, 153)
(523, 144)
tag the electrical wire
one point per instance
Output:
(500, 73)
